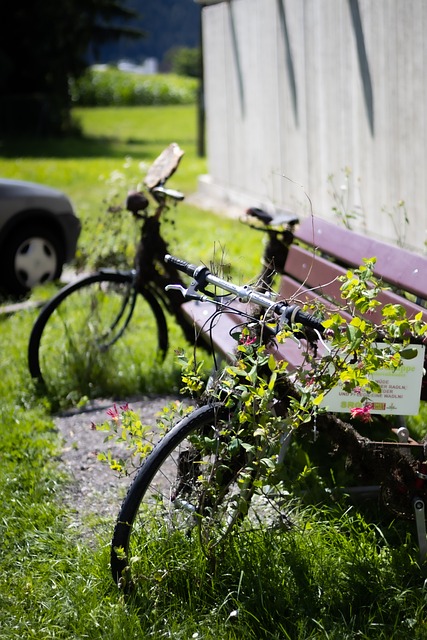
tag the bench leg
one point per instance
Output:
(420, 522)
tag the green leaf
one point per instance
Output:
(375, 387)
(271, 362)
(272, 381)
(319, 399)
(234, 446)
(268, 463)
(409, 353)
(248, 447)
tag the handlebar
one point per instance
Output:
(160, 193)
(288, 314)
(184, 266)
(294, 314)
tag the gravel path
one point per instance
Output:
(95, 492)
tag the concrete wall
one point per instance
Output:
(320, 104)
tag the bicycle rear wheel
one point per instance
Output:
(95, 332)
(180, 490)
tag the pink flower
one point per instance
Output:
(124, 407)
(362, 413)
(247, 340)
(113, 413)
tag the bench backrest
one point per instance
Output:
(322, 251)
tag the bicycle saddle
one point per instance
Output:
(271, 220)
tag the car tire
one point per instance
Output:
(32, 255)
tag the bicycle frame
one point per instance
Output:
(148, 284)
(154, 273)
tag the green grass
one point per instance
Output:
(83, 166)
(76, 164)
(335, 576)
(292, 586)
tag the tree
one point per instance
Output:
(185, 61)
(42, 45)
(169, 23)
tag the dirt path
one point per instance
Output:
(95, 491)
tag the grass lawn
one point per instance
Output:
(338, 576)
(109, 137)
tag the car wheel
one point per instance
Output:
(33, 255)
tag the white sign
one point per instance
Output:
(400, 390)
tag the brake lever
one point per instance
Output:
(190, 294)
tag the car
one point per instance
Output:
(39, 230)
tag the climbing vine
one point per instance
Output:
(266, 402)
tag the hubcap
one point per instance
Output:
(35, 262)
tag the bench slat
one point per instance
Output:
(395, 265)
(314, 272)
(216, 331)
(320, 275)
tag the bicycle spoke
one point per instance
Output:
(97, 334)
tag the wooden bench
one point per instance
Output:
(320, 253)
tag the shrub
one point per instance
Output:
(112, 87)
(185, 61)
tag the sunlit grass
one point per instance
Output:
(334, 576)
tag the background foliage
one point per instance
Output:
(45, 45)
(167, 24)
(111, 87)
(42, 45)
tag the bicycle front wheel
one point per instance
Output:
(190, 486)
(96, 335)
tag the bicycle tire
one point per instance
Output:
(170, 494)
(91, 326)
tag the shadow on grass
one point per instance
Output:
(81, 146)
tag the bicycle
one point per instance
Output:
(203, 478)
(104, 317)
